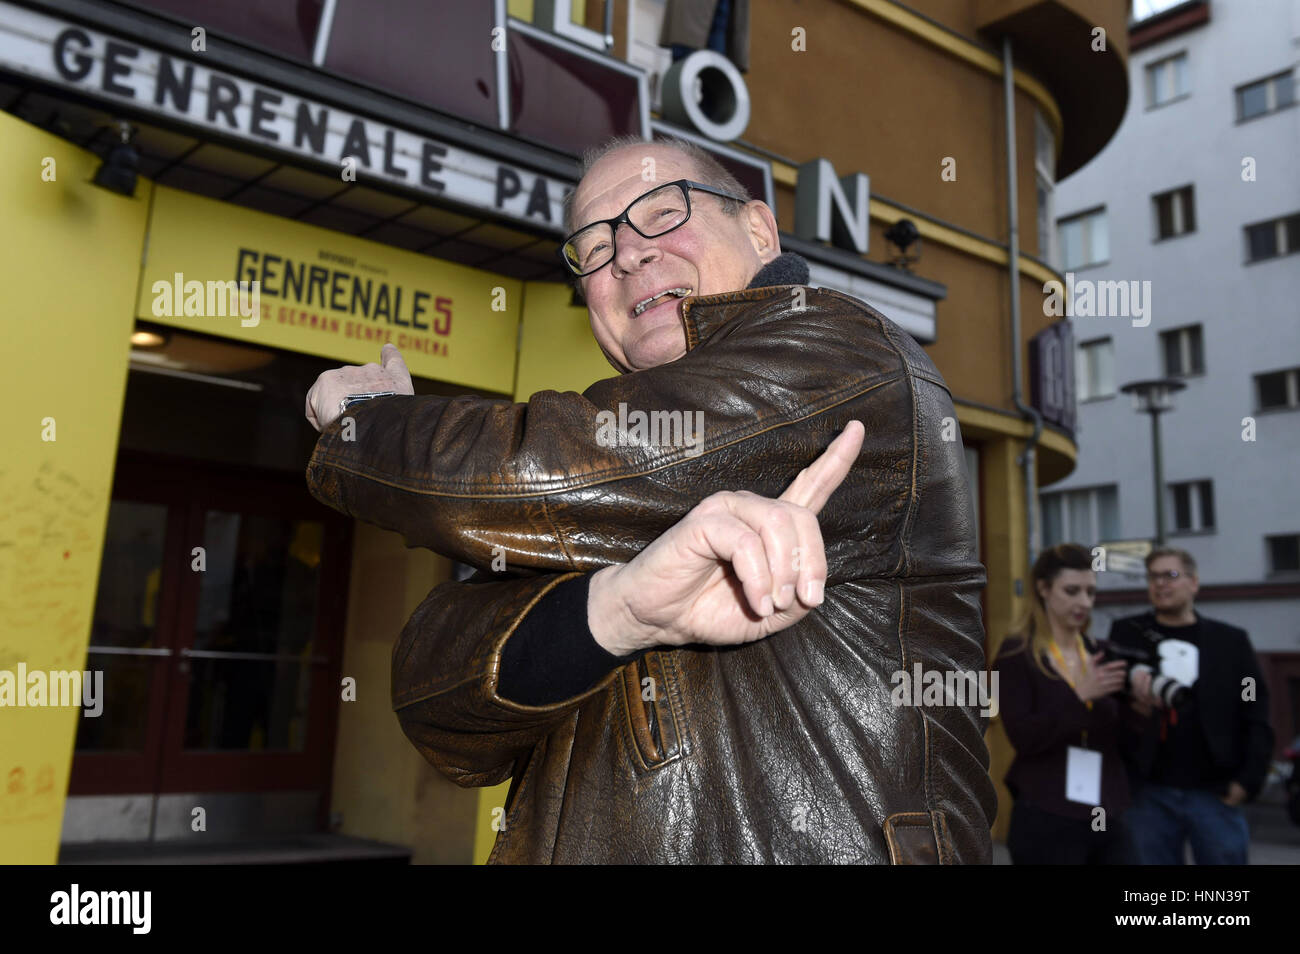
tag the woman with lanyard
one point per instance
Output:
(1063, 716)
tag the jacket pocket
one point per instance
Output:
(654, 717)
(918, 838)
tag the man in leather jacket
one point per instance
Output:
(636, 723)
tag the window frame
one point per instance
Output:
(1082, 382)
(1095, 535)
(1086, 218)
(1272, 571)
(1184, 335)
(1045, 180)
(1272, 93)
(1199, 491)
(1280, 244)
(1291, 383)
(1179, 212)
(1151, 83)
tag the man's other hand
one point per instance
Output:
(1236, 794)
(333, 386)
(735, 569)
(1144, 701)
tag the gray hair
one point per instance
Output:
(707, 170)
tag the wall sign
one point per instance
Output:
(320, 292)
(140, 79)
(1051, 375)
(118, 71)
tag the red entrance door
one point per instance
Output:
(218, 626)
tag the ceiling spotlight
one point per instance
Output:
(147, 339)
(118, 170)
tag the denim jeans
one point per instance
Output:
(1162, 818)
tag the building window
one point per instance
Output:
(1193, 506)
(1175, 213)
(1273, 239)
(1265, 96)
(1184, 354)
(1080, 516)
(1167, 80)
(1084, 239)
(1278, 390)
(1094, 369)
(1284, 553)
(1045, 176)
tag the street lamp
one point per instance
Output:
(1155, 397)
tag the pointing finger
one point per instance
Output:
(816, 482)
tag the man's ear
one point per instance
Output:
(762, 228)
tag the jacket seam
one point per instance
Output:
(559, 537)
(679, 703)
(904, 558)
(625, 702)
(903, 609)
(595, 478)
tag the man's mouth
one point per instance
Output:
(659, 298)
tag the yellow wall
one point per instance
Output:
(557, 351)
(382, 787)
(1007, 561)
(71, 254)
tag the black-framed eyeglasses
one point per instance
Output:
(1167, 576)
(651, 215)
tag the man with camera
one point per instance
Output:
(1207, 741)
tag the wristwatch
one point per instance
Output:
(358, 398)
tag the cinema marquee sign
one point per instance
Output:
(115, 70)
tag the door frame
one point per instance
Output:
(189, 488)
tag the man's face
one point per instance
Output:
(1170, 596)
(712, 253)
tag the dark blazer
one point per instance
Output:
(1044, 717)
(1237, 731)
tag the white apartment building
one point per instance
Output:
(1198, 194)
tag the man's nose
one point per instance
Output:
(631, 250)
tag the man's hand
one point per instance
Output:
(1236, 794)
(333, 386)
(1143, 700)
(737, 568)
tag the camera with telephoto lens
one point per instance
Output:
(1171, 693)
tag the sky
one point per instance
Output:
(1145, 8)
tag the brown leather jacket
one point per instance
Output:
(789, 749)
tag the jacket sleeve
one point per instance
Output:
(445, 679)
(1032, 728)
(1256, 740)
(464, 475)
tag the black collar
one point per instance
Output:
(788, 268)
